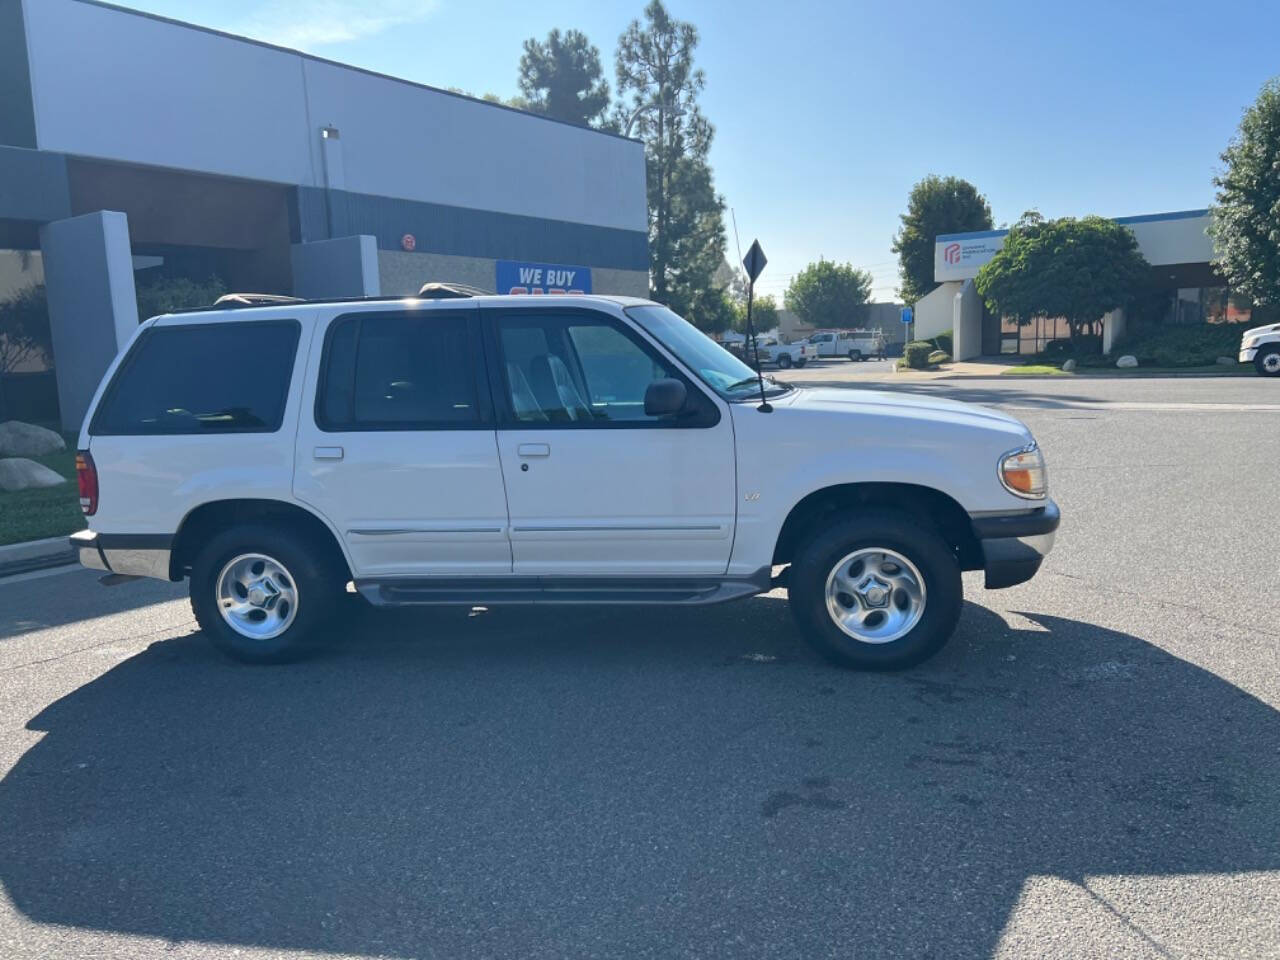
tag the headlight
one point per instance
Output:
(1250, 343)
(1023, 473)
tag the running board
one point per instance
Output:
(496, 591)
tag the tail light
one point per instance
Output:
(87, 478)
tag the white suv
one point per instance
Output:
(563, 449)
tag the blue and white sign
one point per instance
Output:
(906, 314)
(517, 276)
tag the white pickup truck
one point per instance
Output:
(1261, 347)
(854, 344)
(547, 450)
(784, 355)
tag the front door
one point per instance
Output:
(594, 484)
(400, 451)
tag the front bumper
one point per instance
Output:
(1246, 356)
(130, 554)
(1014, 545)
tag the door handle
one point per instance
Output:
(534, 449)
(327, 453)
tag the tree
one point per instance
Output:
(764, 314)
(659, 87)
(1245, 224)
(937, 205)
(166, 294)
(562, 78)
(1077, 269)
(828, 294)
(24, 328)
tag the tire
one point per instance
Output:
(1267, 361)
(802, 361)
(784, 360)
(855, 355)
(898, 631)
(306, 593)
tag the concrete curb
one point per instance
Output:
(35, 555)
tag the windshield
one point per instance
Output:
(718, 368)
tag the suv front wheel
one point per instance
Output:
(876, 591)
(259, 593)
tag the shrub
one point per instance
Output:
(167, 294)
(24, 328)
(1184, 346)
(916, 353)
(943, 342)
(939, 356)
(1087, 344)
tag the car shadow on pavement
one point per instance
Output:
(610, 783)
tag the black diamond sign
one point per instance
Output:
(754, 261)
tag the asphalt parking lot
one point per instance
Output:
(1091, 768)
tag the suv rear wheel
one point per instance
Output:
(855, 355)
(259, 593)
(1267, 361)
(876, 591)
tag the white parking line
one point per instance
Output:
(1148, 407)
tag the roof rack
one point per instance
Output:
(450, 291)
(232, 300)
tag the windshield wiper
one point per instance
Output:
(751, 382)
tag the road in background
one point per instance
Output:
(1090, 768)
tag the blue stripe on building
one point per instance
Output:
(33, 185)
(17, 109)
(318, 214)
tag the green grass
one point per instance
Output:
(1036, 369)
(47, 511)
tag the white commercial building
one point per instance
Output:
(1175, 244)
(134, 147)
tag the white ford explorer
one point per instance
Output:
(559, 449)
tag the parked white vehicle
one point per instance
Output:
(854, 344)
(783, 355)
(558, 449)
(1261, 347)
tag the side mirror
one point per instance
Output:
(664, 398)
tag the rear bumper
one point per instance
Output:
(132, 554)
(1014, 545)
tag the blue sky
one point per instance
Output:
(826, 113)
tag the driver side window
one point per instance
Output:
(576, 370)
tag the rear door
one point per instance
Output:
(399, 449)
(595, 486)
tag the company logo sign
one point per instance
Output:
(960, 259)
(514, 276)
(409, 242)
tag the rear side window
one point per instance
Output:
(202, 378)
(410, 371)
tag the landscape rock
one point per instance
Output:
(18, 473)
(1128, 360)
(1069, 366)
(18, 439)
(1227, 361)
